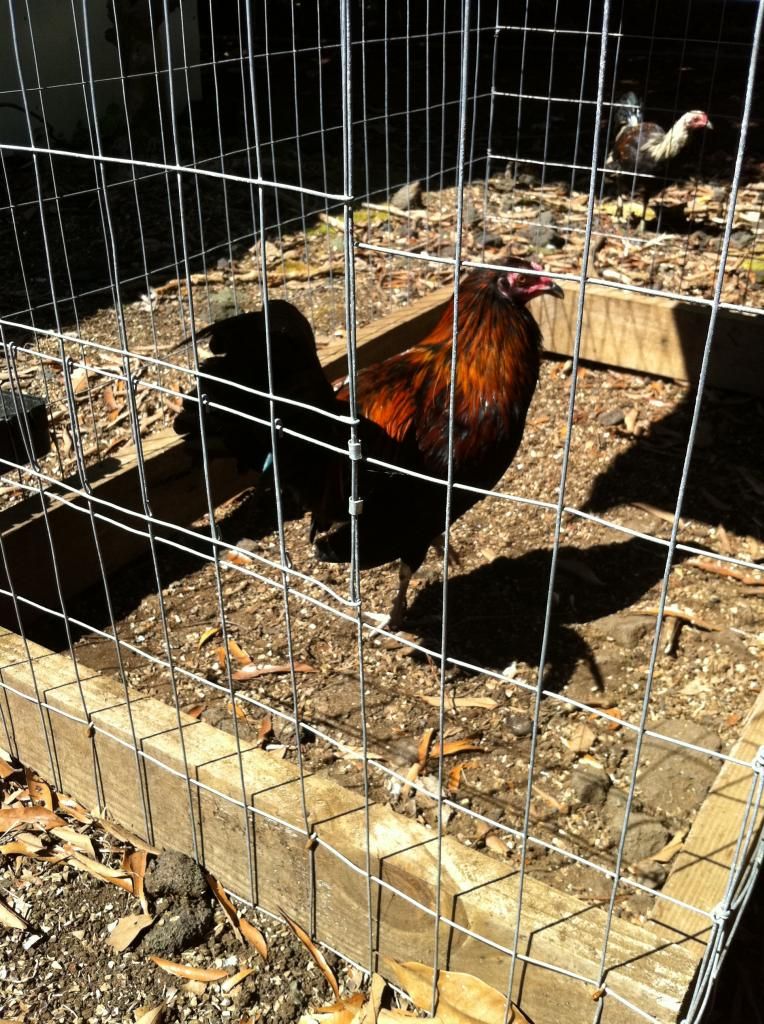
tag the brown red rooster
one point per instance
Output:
(642, 147)
(404, 407)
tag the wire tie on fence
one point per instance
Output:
(354, 450)
(355, 506)
(720, 914)
(278, 424)
(758, 762)
(312, 841)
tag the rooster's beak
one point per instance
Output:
(554, 289)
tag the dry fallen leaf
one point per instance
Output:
(671, 849)
(150, 1016)
(264, 730)
(223, 899)
(252, 671)
(11, 919)
(580, 739)
(236, 979)
(454, 778)
(193, 973)
(127, 930)
(346, 1011)
(71, 837)
(423, 750)
(207, 635)
(314, 951)
(496, 844)
(455, 747)
(254, 937)
(39, 790)
(10, 817)
(234, 652)
(196, 711)
(101, 871)
(460, 702)
(6, 769)
(135, 863)
(462, 998)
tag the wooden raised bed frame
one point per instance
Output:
(89, 753)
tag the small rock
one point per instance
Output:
(612, 417)
(673, 780)
(644, 835)
(520, 725)
(590, 785)
(625, 630)
(542, 234)
(409, 197)
(741, 237)
(185, 924)
(223, 304)
(651, 872)
(175, 874)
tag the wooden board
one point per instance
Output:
(700, 874)
(83, 738)
(636, 332)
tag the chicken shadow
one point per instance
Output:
(497, 611)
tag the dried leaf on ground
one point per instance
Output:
(671, 849)
(127, 930)
(39, 790)
(423, 750)
(152, 1016)
(135, 863)
(11, 919)
(237, 653)
(460, 702)
(346, 1011)
(6, 769)
(27, 844)
(314, 951)
(581, 739)
(236, 979)
(462, 998)
(456, 747)
(205, 974)
(252, 671)
(10, 817)
(73, 838)
(207, 635)
(223, 899)
(102, 872)
(254, 937)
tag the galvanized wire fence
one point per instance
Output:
(165, 165)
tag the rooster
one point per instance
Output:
(642, 147)
(403, 404)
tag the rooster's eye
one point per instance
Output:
(521, 280)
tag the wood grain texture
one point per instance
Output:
(700, 874)
(83, 738)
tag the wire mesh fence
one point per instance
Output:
(594, 654)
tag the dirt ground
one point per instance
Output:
(626, 457)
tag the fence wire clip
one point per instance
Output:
(720, 914)
(355, 507)
(354, 450)
(758, 762)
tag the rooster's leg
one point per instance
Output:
(439, 545)
(398, 611)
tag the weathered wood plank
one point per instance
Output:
(93, 761)
(700, 873)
